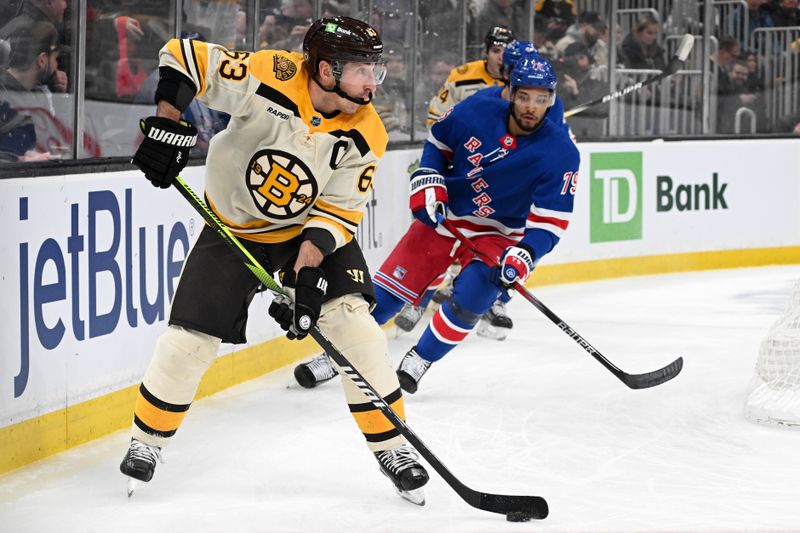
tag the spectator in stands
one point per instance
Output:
(755, 83)
(51, 11)
(507, 13)
(565, 10)
(295, 13)
(17, 136)
(269, 32)
(588, 30)
(758, 16)
(544, 45)
(729, 51)
(640, 47)
(240, 31)
(436, 68)
(786, 14)
(294, 16)
(736, 95)
(32, 64)
(576, 87)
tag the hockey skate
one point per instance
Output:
(411, 370)
(139, 463)
(495, 323)
(318, 370)
(408, 476)
(408, 317)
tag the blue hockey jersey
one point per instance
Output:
(555, 113)
(519, 187)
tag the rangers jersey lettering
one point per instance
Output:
(280, 166)
(522, 188)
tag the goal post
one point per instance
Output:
(774, 396)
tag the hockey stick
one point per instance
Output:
(524, 507)
(677, 61)
(634, 381)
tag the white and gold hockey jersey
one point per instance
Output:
(462, 82)
(280, 166)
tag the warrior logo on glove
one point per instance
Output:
(164, 151)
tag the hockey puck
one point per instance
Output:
(518, 516)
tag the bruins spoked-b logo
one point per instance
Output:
(280, 184)
(284, 68)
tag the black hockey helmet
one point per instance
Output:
(341, 39)
(498, 35)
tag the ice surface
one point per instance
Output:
(534, 414)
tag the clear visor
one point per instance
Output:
(537, 98)
(363, 73)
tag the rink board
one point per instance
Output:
(92, 262)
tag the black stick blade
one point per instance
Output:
(534, 506)
(651, 379)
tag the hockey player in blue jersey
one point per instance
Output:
(507, 181)
(495, 218)
(495, 323)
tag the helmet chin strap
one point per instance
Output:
(338, 91)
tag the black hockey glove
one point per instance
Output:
(310, 288)
(165, 149)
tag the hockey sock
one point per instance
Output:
(473, 294)
(505, 296)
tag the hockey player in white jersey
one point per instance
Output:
(290, 176)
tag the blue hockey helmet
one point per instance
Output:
(534, 70)
(514, 52)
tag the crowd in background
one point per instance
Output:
(123, 38)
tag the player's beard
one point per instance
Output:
(524, 126)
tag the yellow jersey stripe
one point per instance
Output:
(175, 48)
(352, 216)
(200, 51)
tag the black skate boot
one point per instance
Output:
(411, 370)
(318, 370)
(408, 317)
(139, 463)
(495, 323)
(408, 476)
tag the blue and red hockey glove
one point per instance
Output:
(516, 265)
(428, 196)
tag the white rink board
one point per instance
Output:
(72, 358)
(54, 354)
(761, 194)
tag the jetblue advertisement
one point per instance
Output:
(90, 265)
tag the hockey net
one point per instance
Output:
(775, 389)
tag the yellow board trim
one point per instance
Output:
(45, 435)
(40, 437)
(662, 264)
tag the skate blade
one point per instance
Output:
(416, 496)
(132, 485)
(488, 331)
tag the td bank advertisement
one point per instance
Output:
(637, 199)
